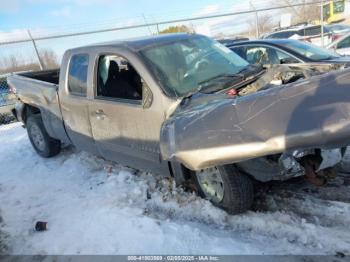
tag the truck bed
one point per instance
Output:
(39, 89)
(50, 76)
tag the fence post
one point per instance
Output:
(36, 50)
(322, 31)
(257, 33)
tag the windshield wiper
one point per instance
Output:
(231, 76)
(231, 79)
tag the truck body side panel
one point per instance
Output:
(42, 95)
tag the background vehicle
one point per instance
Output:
(342, 45)
(285, 51)
(169, 110)
(338, 30)
(308, 33)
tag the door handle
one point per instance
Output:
(100, 115)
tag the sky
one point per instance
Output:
(16, 14)
(45, 17)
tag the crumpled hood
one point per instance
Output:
(311, 113)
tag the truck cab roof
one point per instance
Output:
(140, 43)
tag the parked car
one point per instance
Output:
(308, 33)
(186, 106)
(341, 46)
(338, 30)
(285, 51)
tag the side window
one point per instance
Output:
(285, 58)
(283, 34)
(117, 78)
(345, 43)
(262, 55)
(77, 74)
(268, 55)
(240, 50)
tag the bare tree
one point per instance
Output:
(49, 59)
(16, 63)
(265, 25)
(304, 13)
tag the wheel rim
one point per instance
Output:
(211, 183)
(37, 137)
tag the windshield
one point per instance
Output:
(183, 66)
(313, 52)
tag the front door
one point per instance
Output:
(125, 129)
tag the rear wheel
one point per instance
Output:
(226, 188)
(43, 144)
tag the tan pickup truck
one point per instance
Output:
(183, 105)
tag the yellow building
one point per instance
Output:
(333, 11)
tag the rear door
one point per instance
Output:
(74, 101)
(125, 120)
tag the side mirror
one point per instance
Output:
(147, 96)
(288, 60)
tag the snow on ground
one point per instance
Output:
(93, 206)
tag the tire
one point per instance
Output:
(238, 192)
(43, 144)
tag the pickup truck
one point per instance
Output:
(185, 106)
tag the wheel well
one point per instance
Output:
(179, 172)
(29, 110)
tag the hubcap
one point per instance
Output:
(211, 183)
(37, 137)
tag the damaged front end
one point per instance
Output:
(293, 117)
(316, 164)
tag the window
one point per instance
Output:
(339, 6)
(240, 50)
(345, 43)
(77, 78)
(313, 31)
(183, 67)
(117, 78)
(283, 34)
(267, 55)
(310, 51)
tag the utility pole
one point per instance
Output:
(257, 33)
(36, 50)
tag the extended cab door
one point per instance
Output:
(73, 99)
(125, 117)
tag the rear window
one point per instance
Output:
(77, 76)
(310, 31)
(284, 34)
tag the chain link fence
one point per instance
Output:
(7, 102)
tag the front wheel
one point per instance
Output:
(226, 188)
(43, 144)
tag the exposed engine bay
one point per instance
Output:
(316, 164)
(285, 74)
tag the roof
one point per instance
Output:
(147, 41)
(266, 41)
(295, 28)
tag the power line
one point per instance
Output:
(155, 23)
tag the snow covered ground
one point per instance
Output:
(93, 206)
